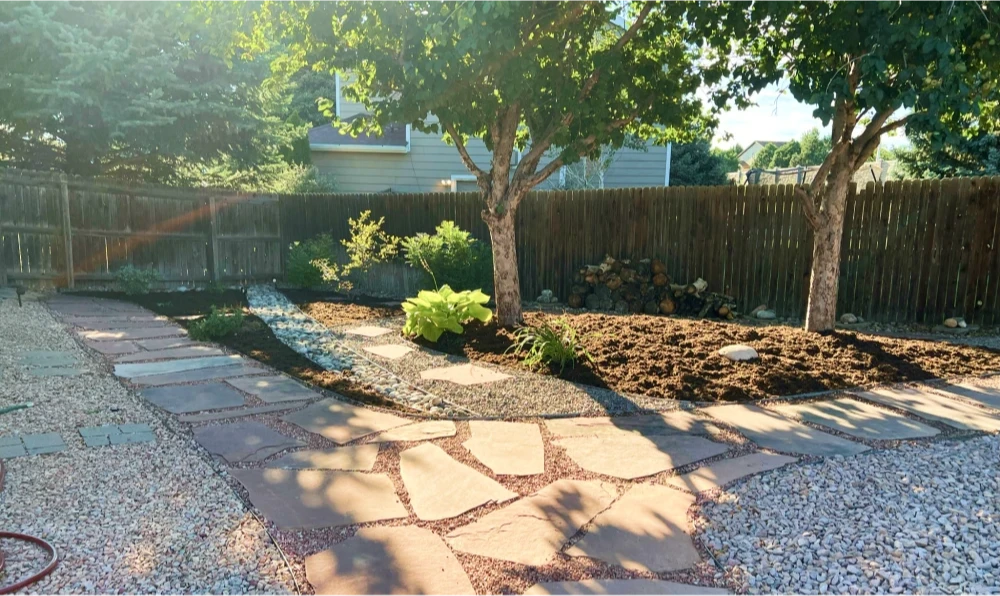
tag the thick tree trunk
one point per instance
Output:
(821, 312)
(506, 283)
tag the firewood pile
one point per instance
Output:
(620, 286)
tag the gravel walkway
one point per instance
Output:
(143, 518)
(924, 518)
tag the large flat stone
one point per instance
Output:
(110, 348)
(620, 586)
(311, 499)
(239, 413)
(421, 431)
(513, 448)
(984, 394)
(926, 403)
(117, 318)
(393, 560)
(165, 343)
(57, 371)
(645, 530)
(360, 458)
(140, 333)
(243, 441)
(343, 423)
(145, 369)
(275, 389)
(720, 473)
(858, 419)
(171, 353)
(666, 423)
(532, 530)
(463, 374)
(774, 431)
(47, 359)
(389, 351)
(636, 456)
(368, 331)
(194, 376)
(183, 399)
(440, 487)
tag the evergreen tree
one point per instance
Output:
(694, 164)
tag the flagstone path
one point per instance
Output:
(445, 502)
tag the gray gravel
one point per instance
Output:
(144, 518)
(924, 518)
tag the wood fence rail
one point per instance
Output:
(918, 250)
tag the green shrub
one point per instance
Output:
(555, 344)
(450, 256)
(301, 267)
(218, 324)
(133, 281)
(432, 313)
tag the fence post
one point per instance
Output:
(3, 250)
(67, 230)
(282, 238)
(800, 175)
(213, 241)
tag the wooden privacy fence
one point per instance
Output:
(916, 250)
(188, 236)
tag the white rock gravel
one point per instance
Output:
(924, 518)
(145, 518)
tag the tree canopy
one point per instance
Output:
(694, 164)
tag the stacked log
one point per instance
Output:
(623, 287)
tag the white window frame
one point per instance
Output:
(456, 178)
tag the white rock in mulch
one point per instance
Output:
(739, 352)
(848, 318)
(922, 518)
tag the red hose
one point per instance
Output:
(26, 538)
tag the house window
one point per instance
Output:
(463, 183)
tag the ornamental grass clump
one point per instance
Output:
(557, 344)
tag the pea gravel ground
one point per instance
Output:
(144, 518)
(923, 518)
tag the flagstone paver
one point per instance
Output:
(273, 389)
(310, 499)
(368, 331)
(421, 431)
(393, 560)
(666, 423)
(774, 431)
(140, 333)
(203, 374)
(110, 348)
(55, 372)
(620, 586)
(389, 351)
(358, 457)
(145, 369)
(463, 374)
(858, 419)
(440, 487)
(171, 353)
(513, 448)
(34, 444)
(635, 456)
(926, 403)
(165, 343)
(988, 396)
(341, 422)
(720, 473)
(47, 359)
(183, 399)
(240, 413)
(533, 529)
(243, 441)
(117, 434)
(645, 530)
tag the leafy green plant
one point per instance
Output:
(433, 312)
(218, 324)
(312, 263)
(301, 266)
(451, 256)
(134, 281)
(555, 344)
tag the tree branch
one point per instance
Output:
(808, 208)
(647, 7)
(463, 153)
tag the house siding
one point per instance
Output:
(631, 167)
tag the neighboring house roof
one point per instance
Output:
(395, 138)
(756, 146)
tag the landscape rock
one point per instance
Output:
(951, 322)
(848, 318)
(739, 353)
(767, 314)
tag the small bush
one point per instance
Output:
(301, 267)
(450, 256)
(134, 281)
(218, 324)
(555, 344)
(432, 313)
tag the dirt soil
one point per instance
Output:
(254, 339)
(334, 314)
(676, 358)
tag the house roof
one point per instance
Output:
(762, 144)
(327, 136)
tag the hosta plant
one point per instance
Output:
(555, 344)
(433, 312)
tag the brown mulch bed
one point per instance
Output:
(254, 339)
(676, 358)
(333, 314)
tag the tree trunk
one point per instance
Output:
(506, 283)
(821, 312)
